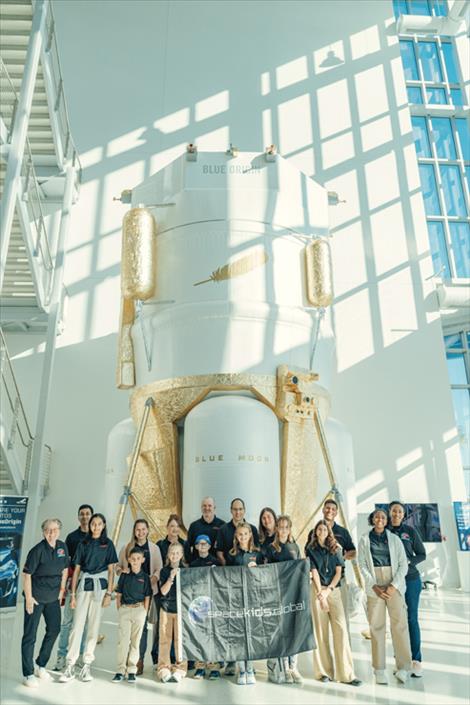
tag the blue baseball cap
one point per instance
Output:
(202, 537)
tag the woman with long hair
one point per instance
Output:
(327, 608)
(152, 566)
(174, 527)
(244, 552)
(415, 553)
(266, 528)
(383, 563)
(92, 585)
(284, 548)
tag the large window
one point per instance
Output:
(442, 143)
(420, 7)
(458, 364)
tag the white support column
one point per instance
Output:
(34, 489)
(20, 129)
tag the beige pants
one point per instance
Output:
(376, 614)
(341, 668)
(86, 609)
(168, 632)
(131, 625)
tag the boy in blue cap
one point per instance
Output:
(205, 559)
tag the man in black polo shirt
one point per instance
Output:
(85, 512)
(227, 531)
(44, 577)
(209, 524)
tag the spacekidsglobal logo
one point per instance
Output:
(203, 608)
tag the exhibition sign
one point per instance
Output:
(12, 519)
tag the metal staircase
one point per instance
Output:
(39, 181)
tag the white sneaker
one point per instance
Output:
(41, 673)
(401, 675)
(241, 680)
(30, 681)
(288, 676)
(381, 678)
(68, 674)
(417, 670)
(85, 673)
(297, 677)
(250, 678)
(176, 677)
(59, 664)
(165, 675)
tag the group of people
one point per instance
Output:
(81, 574)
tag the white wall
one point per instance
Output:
(322, 80)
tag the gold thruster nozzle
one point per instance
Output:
(138, 262)
(319, 273)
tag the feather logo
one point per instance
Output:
(238, 267)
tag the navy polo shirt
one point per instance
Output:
(414, 548)
(164, 545)
(289, 552)
(207, 561)
(245, 557)
(94, 556)
(146, 551)
(46, 565)
(379, 549)
(201, 526)
(168, 601)
(72, 541)
(324, 562)
(226, 534)
(134, 587)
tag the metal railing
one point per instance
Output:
(31, 195)
(20, 437)
(60, 106)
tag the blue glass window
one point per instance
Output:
(450, 62)
(453, 342)
(419, 7)
(439, 8)
(456, 368)
(420, 135)
(443, 138)
(461, 399)
(409, 60)
(452, 187)
(468, 339)
(429, 189)
(464, 137)
(437, 241)
(400, 8)
(460, 237)
(436, 96)
(430, 61)
(414, 95)
(467, 176)
(456, 96)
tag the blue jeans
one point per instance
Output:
(413, 591)
(67, 621)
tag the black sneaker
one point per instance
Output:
(118, 678)
(200, 673)
(355, 681)
(131, 678)
(214, 675)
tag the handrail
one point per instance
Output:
(60, 105)
(17, 405)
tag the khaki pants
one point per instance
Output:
(86, 609)
(168, 632)
(131, 625)
(376, 614)
(341, 668)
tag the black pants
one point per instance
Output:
(51, 612)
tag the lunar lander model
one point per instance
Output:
(226, 343)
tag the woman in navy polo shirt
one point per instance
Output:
(266, 528)
(415, 553)
(44, 578)
(92, 585)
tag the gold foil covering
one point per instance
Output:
(138, 263)
(319, 274)
(157, 478)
